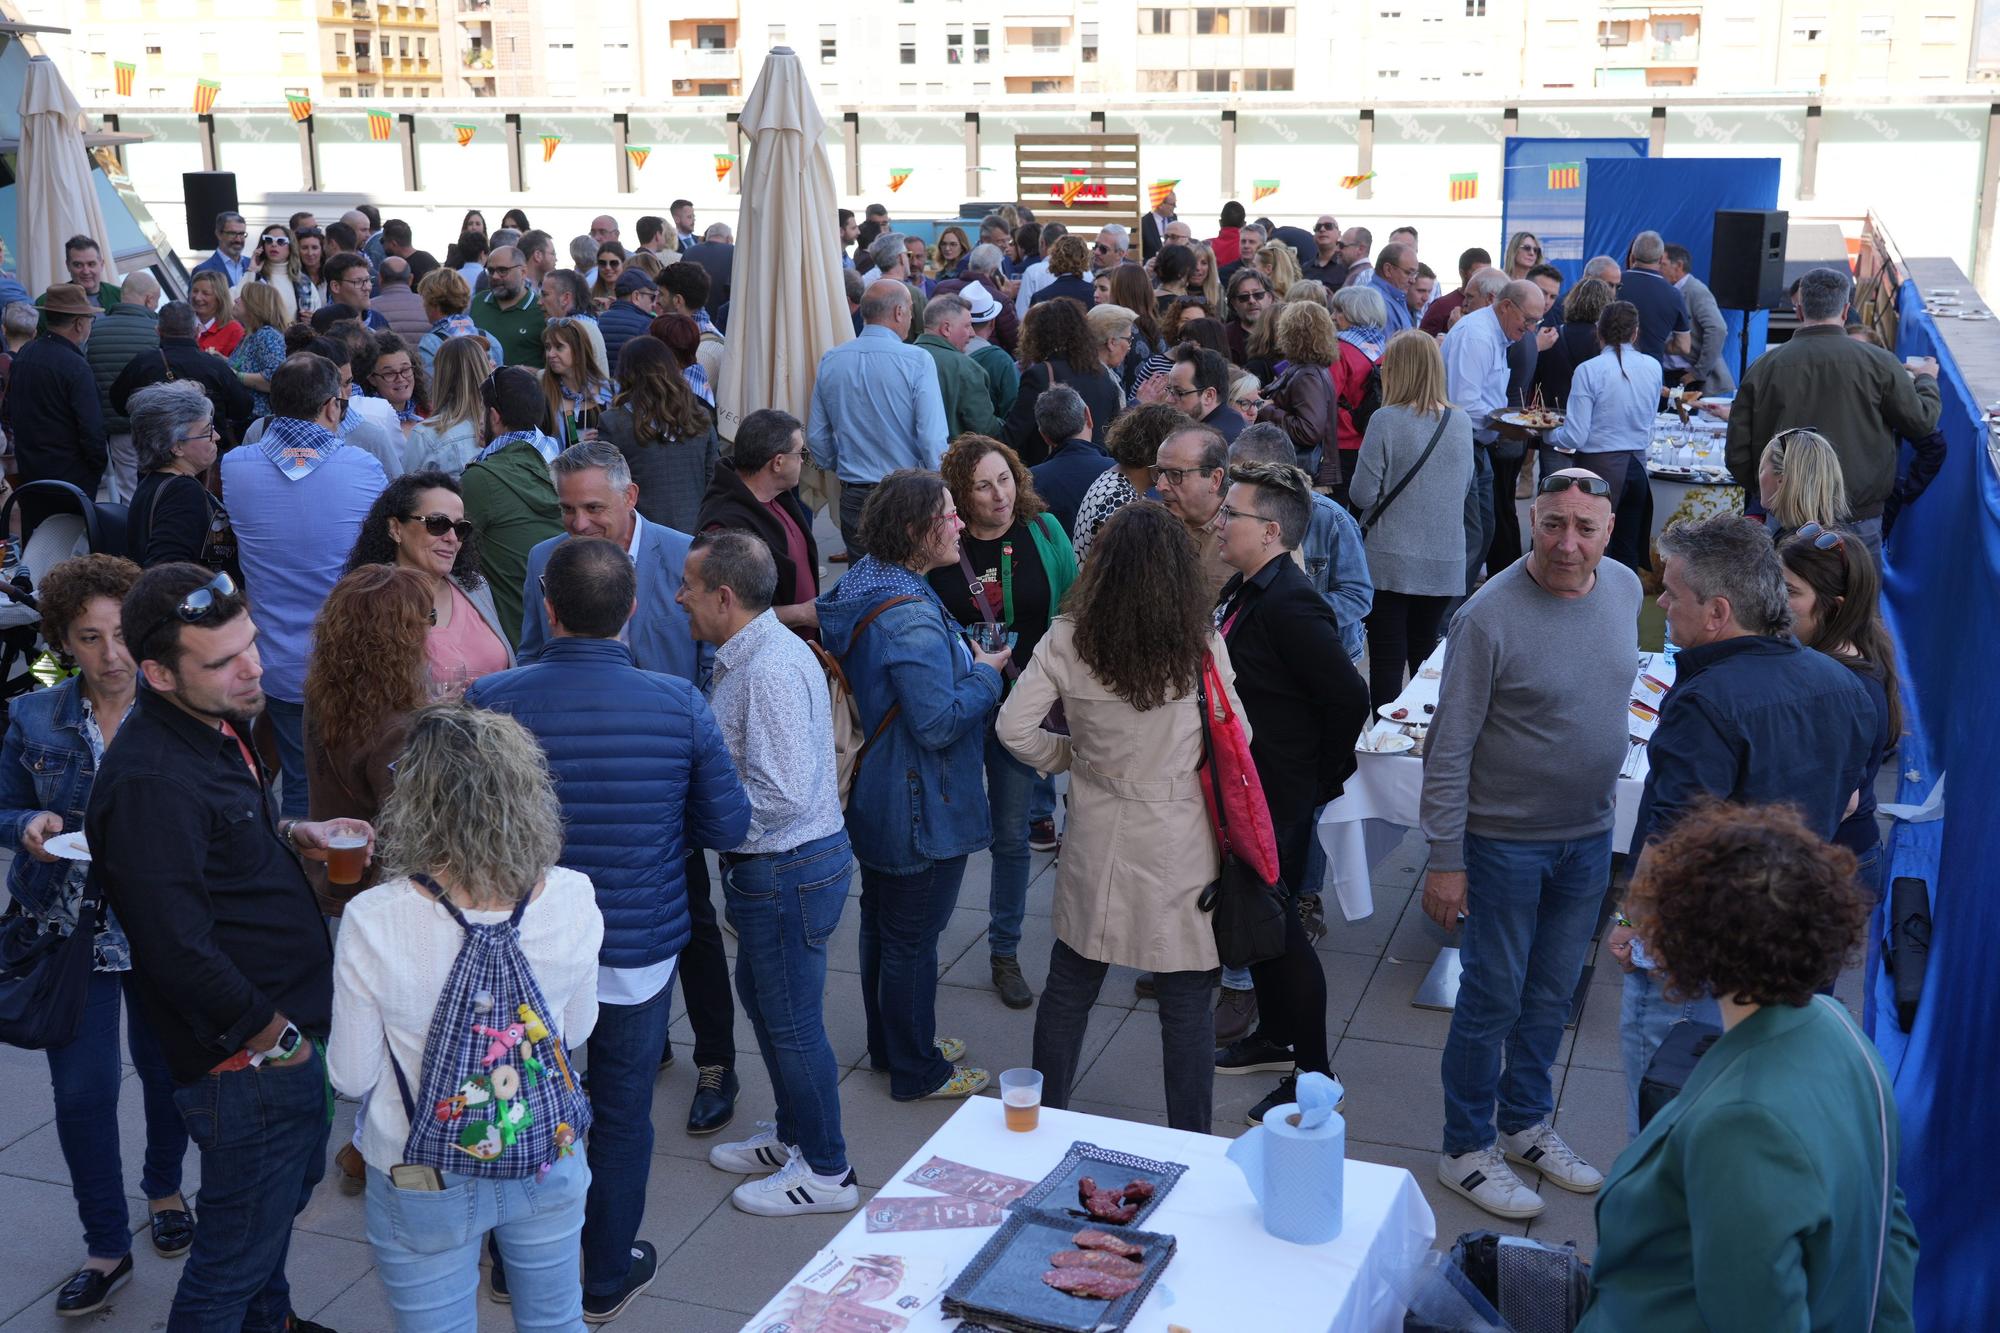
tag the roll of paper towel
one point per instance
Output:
(1296, 1163)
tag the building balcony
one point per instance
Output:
(1033, 61)
(1683, 51)
(477, 58)
(364, 64)
(708, 63)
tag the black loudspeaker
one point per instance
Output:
(1746, 266)
(207, 193)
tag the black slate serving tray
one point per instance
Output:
(1057, 1190)
(1002, 1287)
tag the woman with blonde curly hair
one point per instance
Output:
(1301, 400)
(1014, 567)
(1126, 662)
(1069, 267)
(261, 350)
(1279, 263)
(219, 331)
(1766, 1188)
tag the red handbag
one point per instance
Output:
(1243, 824)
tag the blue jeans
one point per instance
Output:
(1010, 786)
(86, 1076)
(901, 919)
(262, 1135)
(624, 1052)
(1529, 911)
(1645, 1013)
(1042, 801)
(784, 907)
(426, 1245)
(288, 723)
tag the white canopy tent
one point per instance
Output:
(58, 198)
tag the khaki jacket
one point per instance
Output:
(1138, 850)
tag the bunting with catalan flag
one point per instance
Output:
(1350, 182)
(463, 132)
(124, 71)
(1262, 190)
(380, 125)
(1072, 186)
(1157, 192)
(637, 156)
(205, 91)
(1565, 175)
(300, 105)
(724, 164)
(897, 175)
(550, 142)
(1464, 185)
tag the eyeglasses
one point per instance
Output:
(208, 432)
(395, 374)
(215, 599)
(1179, 392)
(1101, 248)
(1228, 513)
(437, 525)
(1251, 297)
(1177, 476)
(235, 235)
(805, 453)
(1822, 538)
(1558, 483)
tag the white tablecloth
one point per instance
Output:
(1227, 1273)
(1382, 803)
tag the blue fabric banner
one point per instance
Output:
(1539, 194)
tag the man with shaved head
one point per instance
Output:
(509, 308)
(603, 228)
(1519, 775)
(876, 405)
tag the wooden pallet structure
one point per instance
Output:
(1084, 181)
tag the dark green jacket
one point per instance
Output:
(968, 403)
(1003, 377)
(1753, 1202)
(511, 503)
(1857, 395)
(114, 340)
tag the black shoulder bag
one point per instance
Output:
(1444, 419)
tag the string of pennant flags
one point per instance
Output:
(724, 164)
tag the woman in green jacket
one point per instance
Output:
(1764, 1196)
(1014, 565)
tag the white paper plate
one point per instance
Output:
(69, 846)
(1414, 712)
(1396, 742)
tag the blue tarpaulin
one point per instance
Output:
(1528, 202)
(1677, 197)
(1943, 592)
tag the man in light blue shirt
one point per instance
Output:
(876, 406)
(1476, 374)
(296, 501)
(1395, 269)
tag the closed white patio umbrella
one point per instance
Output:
(58, 197)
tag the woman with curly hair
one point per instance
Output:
(1057, 348)
(1125, 661)
(1302, 401)
(1069, 267)
(208, 293)
(1014, 567)
(1134, 444)
(664, 431)
(418, 523)
(1764, 1195)
(577, 386)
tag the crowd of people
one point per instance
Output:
(447, 559)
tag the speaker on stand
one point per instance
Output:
(205, 194)
(1746, 266)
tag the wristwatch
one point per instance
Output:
(287, 1046)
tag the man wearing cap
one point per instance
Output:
(630, 315)
(509, 498)
(509, 309)
(51, 407)
(1003, 377)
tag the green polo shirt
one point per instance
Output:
(519, 330)
(107, 296)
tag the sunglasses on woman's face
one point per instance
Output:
(437, 525)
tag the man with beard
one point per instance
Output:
(509, 309)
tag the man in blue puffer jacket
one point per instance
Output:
(640, 767)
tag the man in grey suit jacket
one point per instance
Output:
(1708, 359)
(597, 496)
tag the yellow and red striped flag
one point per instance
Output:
(1071, 187)
(1565, 175)
(1349, 182)
(1157, 192)
(637, 156)
(124, 71)
(549, 145)
(380, 125)
(204, 95)
(464, 132)
(1262, 190)
(1464, 185)
(724, 164)
(301, 106)
(897, 175)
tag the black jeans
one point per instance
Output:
(1187, 1034)
(1402, 631)
(1291, 988)
(853, 495)
(704, 971)
(1505, 548)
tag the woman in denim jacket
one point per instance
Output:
(55, 742)
(918, 806)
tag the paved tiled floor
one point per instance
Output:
(719, 1265)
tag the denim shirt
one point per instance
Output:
(920, 793)
(1337, 566)
(48, 762)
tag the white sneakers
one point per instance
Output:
(793, 1189)
(796, 1189)
(1542, 1148)
(1485, 1178)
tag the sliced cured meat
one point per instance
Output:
(1098, 1259)
(1104, 1240)
(1090, 1283)
(1104, 1205)
(1136, 1191)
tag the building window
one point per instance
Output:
(346, 90)
(367, 90)
(982, 90)
(340, 43)
(982, 48)
(1090, 43)
(1475, 9)
(1940, 29)
(1046, 40)
(1810, 30)
(1389, 13)
(1209, 19)
(1874, 29)
(1048, 85)
(1270, 19)
(1614, 33)
(1267, 81)
(1388, 73)
(1211, 80)
(827, 44)
(1159, 81)
(906, 89)
(954, 48)
(906, 37)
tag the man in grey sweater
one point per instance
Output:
(1519, 780)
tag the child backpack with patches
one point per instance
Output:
(498, 1099)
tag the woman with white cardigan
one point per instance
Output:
(474, 812)
(1608, 427)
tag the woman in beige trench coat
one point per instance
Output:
(1124, 661)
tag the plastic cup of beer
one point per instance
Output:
(1021, 1095)
(346, 858)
